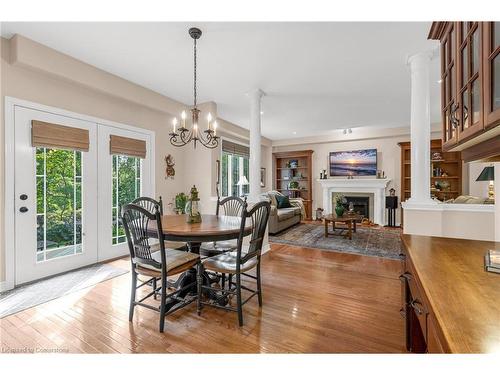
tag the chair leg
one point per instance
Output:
(199, 281)
(230, 281)
(259, 285)
(223, 280)
(163, 301)
(154, 288)
(132, 295)
(238, 296)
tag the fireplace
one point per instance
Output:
(355, 187)
(361, 205)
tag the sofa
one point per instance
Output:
(283, 218)
(468, 199)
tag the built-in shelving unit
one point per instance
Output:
(293, 176)
(446, 172)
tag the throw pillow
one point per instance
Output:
(283, 202)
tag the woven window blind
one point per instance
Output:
(235, 148)
(44, 134)
(127, 146)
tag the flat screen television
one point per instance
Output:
(354, 163)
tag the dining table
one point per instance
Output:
(212, 228)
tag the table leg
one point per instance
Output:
(349, 229)
(354, 225)
(326, 228)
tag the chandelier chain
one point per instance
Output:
(195, 93)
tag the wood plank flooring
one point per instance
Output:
(314, 302)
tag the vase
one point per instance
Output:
(339, 210)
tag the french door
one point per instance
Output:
(55, 201)
(122, 178)
(68, 201)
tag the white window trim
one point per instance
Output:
(229, 176)
(9, 168)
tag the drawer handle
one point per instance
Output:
(402, 256)
(417, 306)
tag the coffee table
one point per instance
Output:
(349, 220)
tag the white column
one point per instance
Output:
(255, 144)
(420, 126)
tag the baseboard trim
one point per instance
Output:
(6, 285)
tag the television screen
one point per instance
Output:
(354, 163)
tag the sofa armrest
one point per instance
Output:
(274, 211)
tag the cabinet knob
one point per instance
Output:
(23, 209)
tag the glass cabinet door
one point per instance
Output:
(448, 86)
(492, 73)
(470, 107)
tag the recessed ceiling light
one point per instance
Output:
(439, 81)
(261, 112)
(294, 132)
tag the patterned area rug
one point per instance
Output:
(42, 291)
(366, 241)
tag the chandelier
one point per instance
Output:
(183, 134)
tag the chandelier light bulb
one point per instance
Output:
(215, 127)
(174, 123)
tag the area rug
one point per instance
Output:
(42, 291)
(377, 242)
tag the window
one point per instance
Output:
(234, 165)
(126, 188)
(59, 203)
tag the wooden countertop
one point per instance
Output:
(464, 298)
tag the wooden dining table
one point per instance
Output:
(212, 228)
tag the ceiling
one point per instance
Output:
(318, 77)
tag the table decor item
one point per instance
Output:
(193, 207)
(339, 204)
(180, 203)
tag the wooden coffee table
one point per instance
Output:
(348, 220)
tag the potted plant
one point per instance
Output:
(180, 203)
(339, 204)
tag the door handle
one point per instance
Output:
(23, 209)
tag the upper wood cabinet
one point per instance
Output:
(491, 68)
(470, 82)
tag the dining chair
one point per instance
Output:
(150, 258)
(239, 262)
(230, 206)
(152, 205)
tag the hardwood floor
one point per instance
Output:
(314, 302)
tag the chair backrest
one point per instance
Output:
(259, 216)
(149, 204)
(230, 206)
(141, 236)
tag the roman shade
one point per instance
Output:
(235, 148)
(127, 146)
(44, 134)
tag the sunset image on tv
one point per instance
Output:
(353, 163)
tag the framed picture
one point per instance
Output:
(263, 177)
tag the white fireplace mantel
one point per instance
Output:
(375, 186)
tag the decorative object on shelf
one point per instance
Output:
(392, 192)
(193, 207)
(325, 176)
(180, 203)
(293, 185)
(319, 214)
(340, 200)
(351, 207)
(444, 174)
(350, 177)
(488, 174)
(182, 136)
(436, 156)
(262, 177)
(321, 175)
(170, 171)
(293, 164)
